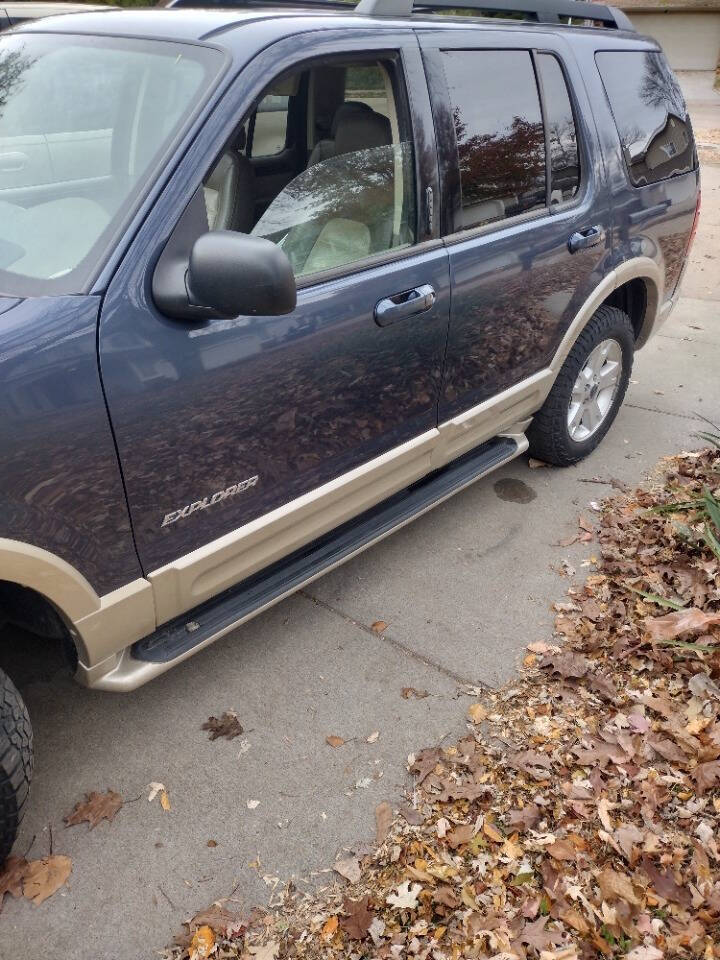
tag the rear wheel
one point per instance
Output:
(588, 391)
(16, 762)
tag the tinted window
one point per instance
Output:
(500, 139)
(650, 115)
(562, 136)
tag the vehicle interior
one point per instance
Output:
(322, 166)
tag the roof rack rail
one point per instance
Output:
(540, 11)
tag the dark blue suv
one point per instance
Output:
(275, 280)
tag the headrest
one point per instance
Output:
(345, 110)
(362, 131)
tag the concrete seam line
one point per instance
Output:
(398, 644)
(667, 413)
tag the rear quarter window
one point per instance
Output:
(650, 114)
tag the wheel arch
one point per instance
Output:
(636, 286)
(48, 580)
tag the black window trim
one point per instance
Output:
(549, 210)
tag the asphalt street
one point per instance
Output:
(463, 590)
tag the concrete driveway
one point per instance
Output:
(463, 590)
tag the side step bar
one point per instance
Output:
(179, 638)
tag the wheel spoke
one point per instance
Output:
(575, 417)
(609, 375)
(593, 415)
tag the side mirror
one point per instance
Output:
(221, 274)
(233, 274)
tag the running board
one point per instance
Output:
(179, 638)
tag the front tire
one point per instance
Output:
(16, 762)
(588, 391)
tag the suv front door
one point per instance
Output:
(306, 419)
(508, 214)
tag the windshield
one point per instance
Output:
(83, 122)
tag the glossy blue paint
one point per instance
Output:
(516, 287)
(60, 485)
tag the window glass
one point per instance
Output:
(271, 120)
(366, 83)
(650, 114)
(82, 120)
(500, 138)
(344, 208)
(562, 135)
(351, 197)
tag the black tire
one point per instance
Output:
(549, 435)
(16, 762)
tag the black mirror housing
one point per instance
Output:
(202, 275)
(235, 274)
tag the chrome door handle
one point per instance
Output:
(406, 304)
(585, 239)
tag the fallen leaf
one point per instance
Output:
(567, 664)
(562, 850)
(165, 800)
(616, 886)
(408, 692)
(94, 808)
(227, 726)
(333, 741)
(358, 918)
(349, 868)
(665, 885)
(526, 818)
(675, 624)
(406, 896)
(373, 738)
(155, 789)
(379, 626)
(202, 943)
(268, 951)
(706, 775)
(535, 935)
(604, 807)
(219, 919)
(383, 821)
(43, 878)
(11, 877)
(476, 713)
(329, 928)
(461, 835)
(492, 832)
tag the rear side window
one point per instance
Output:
(650, 114)
(500, 138)
(562, 134)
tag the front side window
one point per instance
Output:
(650, 114)
(500, 138)
(562, 134)
(83, 120)
(349, 194)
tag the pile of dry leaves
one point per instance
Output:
(579, 815)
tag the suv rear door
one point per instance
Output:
(508, 216)
(280, 406)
